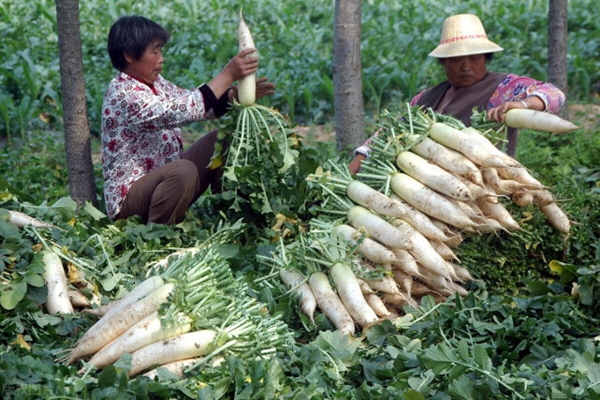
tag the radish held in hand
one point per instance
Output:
(247, 85)
(537, 120)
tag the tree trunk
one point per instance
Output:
(557, 47)
(77, 131)
(347, 75)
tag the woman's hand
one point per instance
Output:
(243, 64)
(263, 88)
(531, 102)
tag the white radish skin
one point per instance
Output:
(542, 197)
(406, 262)
(384, 285)
(478, 149)
(501, 156)
(429, 202)
(349, 292)
(78, 299)
(420, 221)
(101, 310)
(443, 250)
(520, 174)
(499, 213)
(404, 280)
(491, 178)
(188, 345)
(367, 247)
(146, 331)
(433, 176)
(398, 301)
(461, 291)
(462, 273)
(448, 159)
(330, 304)
(364, 287)
(175, 367)
(364, 195)
(295, 281)
(143, 289)
(537, 120)
(522, 198)
(422, 251)
(22, 220)
(109, 327)
(419, 289)
(58, 301)
(178, 367)
(556, 217)
(480, 191)
(378, 228)
(377, 305)
(437, 282)
(246, 85)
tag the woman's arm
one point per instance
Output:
(523, 92)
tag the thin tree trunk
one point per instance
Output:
(347, 75)
(557, 47)
(77, 132)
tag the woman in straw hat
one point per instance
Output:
(464, 51)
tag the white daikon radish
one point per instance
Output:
(246, 85)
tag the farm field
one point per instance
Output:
(527, 326)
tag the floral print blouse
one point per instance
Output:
(141, 129)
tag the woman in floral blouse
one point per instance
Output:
(146, 171)
(464, 51)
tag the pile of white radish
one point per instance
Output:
(190, 310)
(386, 238)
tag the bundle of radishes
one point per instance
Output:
(189, 311)
(386, 237)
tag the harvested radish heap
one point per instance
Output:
(190, 310)
(385, 238)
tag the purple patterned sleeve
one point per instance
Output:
(515, 87)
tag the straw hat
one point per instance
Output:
(463, 35)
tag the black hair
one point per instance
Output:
(131, 35)
(488, 57)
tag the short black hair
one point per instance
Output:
(131, 35)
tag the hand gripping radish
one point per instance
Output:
(247, 85)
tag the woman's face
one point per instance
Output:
(149, 66)
(466, 70)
